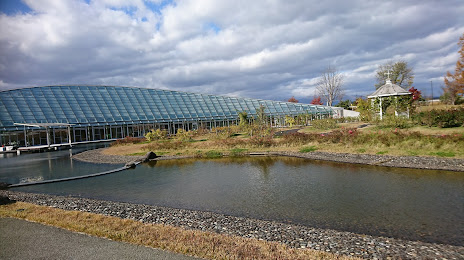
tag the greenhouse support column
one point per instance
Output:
(25, 136)
(69, 136)
(48, 136)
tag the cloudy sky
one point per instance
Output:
(259, 49)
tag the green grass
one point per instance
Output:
(238, 152)
(443, 154)
(213, 154)
(362, 150)
(382, 152)
(308, 149)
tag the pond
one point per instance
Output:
(402, 203)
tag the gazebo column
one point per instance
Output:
(381, 114)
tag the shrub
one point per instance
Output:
(328, 123)
(261, 141)
(392, 121)
(342, 135)
(441, 118)
(157, 134)
(223, 132)
(184, 135)
(298, 138)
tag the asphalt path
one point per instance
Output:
(20, 239)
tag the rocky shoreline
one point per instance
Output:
(344, 243)
(415, 162)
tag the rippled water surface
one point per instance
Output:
(403, 203)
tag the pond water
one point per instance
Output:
(402, 203)
(29, 167)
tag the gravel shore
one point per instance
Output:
(416, 162)
(345, 243)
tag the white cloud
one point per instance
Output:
(260, 49)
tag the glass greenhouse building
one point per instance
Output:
(72, 114)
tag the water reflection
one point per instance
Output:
(29, 167)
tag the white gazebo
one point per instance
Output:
(386, 91)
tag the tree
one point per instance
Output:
(364, 107)
(261, 115)
(293, 100)
(345, 104)
(316, 101)
(455, 82)
(330, 85)
(399, 74)
(416, 94)
(243, 118)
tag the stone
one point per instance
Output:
(149, 156)
(130, 165)
(4, 200)
(3, 185)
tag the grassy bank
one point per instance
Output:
(345, 138)
(189, 242)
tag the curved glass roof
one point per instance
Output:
(103, 105)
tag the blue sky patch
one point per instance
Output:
(12, 7)
(157, 8)
(212, 27)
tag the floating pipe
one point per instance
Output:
(125, 167)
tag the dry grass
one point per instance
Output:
(188, 242)
(124, 149)
(372, 141)
(436, 107)
(310, 129)
(404, 148)
(437, 130)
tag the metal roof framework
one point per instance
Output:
(84, 106)
(47, 126)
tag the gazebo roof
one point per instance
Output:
(389, 89)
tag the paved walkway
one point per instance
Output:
(20, 239)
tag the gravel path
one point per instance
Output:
(417, 162)
(96, 156)
(345, 243)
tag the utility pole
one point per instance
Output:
(431, 87)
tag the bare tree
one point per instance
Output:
(330, 85)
